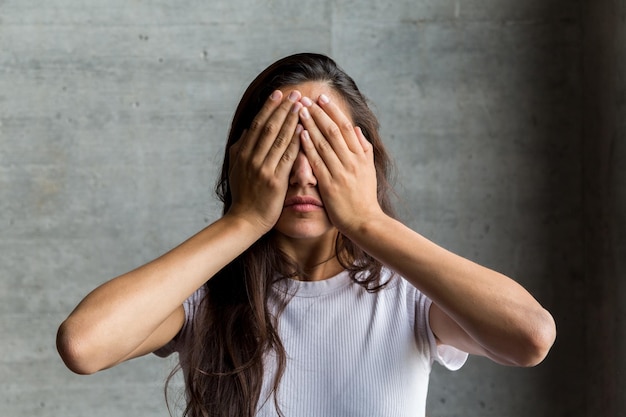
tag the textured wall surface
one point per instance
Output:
(113, 117)
(605, 205)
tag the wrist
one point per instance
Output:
(364, 226)
(246, 224)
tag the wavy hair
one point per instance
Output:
(235, 328)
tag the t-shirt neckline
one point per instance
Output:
(319, 288)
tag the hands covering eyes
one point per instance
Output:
(261, 160)
(340, 156)
(342, 160)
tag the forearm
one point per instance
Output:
(483, 309)
(133, 313)
(498, 314)
(118, 316)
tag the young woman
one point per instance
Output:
(306, 297)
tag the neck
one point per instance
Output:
(316, 257)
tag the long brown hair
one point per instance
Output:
(236, 324)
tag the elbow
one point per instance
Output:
(537, 341)
(73, 352)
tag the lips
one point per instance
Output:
(303, 204)
(302, 200)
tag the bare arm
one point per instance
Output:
(475, 309)
(141, 310)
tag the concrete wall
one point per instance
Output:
(604, 65)
(505, 119)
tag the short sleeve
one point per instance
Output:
(447, 356)
(177, 344)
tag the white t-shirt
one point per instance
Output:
(350, 352)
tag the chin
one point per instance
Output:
(305, 230)
(303, 234)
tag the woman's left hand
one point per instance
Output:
(474, 308)
(342, 160)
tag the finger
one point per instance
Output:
(322, 124)
(323, 146)
(235, 149)
(285, 136)
(278, 129)
(249, 140)
(342, 121)
(320, 170)
(288, 158)
(366, 145)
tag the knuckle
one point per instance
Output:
(334, 131)
(269, 128)
(263, 175)
(324, 146)
(347, 126)
(280, 140)
(316, 164)
(235, 151)
(255, 125)
(287, 158)
(271, 182)
(286, 105)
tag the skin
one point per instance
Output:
(302, 143)
(474, 308)
(309, 237)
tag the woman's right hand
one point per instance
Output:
(141, 310)
(261, 160)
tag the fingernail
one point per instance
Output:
(296, 107)
(306, 101)
(293, 96)
(304, 113)
(305, 136)
(276, 95)
(324, 99)
(299, 129)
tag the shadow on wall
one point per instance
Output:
(604, 134)
(556, 111)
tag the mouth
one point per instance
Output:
(303, 203)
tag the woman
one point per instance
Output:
(306, 297)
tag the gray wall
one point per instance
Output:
(604, 130)
(506, 120)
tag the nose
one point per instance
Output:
(301, 172)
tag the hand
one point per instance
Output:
(260, 162)
(342, 160)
